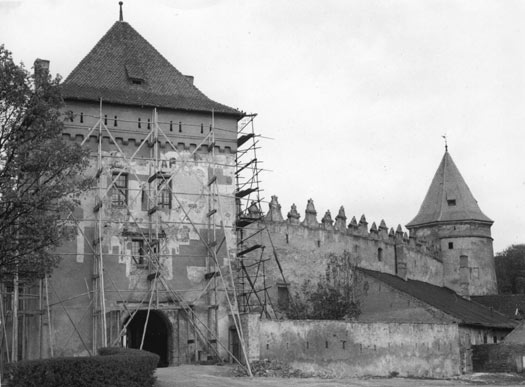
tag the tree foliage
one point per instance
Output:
(40, 173)
(336, 296)
(510, 270)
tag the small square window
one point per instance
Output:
(450, 245)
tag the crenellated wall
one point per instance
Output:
(303, 246)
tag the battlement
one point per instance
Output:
(354, 229)
(135, 140)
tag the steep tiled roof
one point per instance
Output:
(511, 305)
(123, 55)
(466, 312)
(448, 198)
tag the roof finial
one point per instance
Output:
(446, 143)
(121, 18)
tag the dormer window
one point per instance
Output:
(135, 73)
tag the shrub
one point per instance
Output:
(113, 367)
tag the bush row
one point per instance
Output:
(113, 367)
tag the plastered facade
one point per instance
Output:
(178, 229)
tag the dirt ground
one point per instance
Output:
(220, 376)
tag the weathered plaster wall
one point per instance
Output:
(358, 349)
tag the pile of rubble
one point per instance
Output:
(271, 368)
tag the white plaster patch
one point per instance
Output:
(80, 243)
(195, 273)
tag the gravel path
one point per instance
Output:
(219, 376)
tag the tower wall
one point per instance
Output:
(467, 253)
(183, 256)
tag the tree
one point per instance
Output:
(335, 297)
(40, 173)
(510, 269)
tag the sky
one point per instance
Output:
(353, 96)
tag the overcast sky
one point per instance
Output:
(355, 94)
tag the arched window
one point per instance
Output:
(380, 254)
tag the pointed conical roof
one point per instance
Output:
(125, 68)
(448, 198)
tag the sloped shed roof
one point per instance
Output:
(122, 56)
(448, 198)
(464, 311)
(511, 305)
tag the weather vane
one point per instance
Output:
(446, 143)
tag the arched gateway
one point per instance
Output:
(157, 337)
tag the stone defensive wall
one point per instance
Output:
(349, 349)
(303, 248)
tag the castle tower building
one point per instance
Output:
(155, 233)
(450, 216)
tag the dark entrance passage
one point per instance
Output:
(157, 334)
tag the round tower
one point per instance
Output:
(451, 217)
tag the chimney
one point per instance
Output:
(190, 78)
(41, 69)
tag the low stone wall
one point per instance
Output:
(498, 357)
(357, 349)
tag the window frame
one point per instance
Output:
(118, 192)
(164, 195)
(138, 253)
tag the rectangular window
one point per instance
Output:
(450, 245)
(164, 195)
(119, 190)
(451, 202)
(138, 255)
